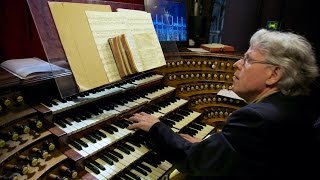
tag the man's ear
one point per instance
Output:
(275, 76)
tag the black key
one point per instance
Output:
(113, 128)
(144, 167)
(101, 134)
(133, 175)
(111, 156)
(92, 168)
(62, 124)
(66, 122)
(90, 138)
(117, 154)
(127, 146)
(98, 165)
(126, 177)
(107, 129)
(140, 170)
(82, 143)
(124, 150)
(76, 145)
(96, 136)
(106, 159)
(76, 118)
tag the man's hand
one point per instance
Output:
(190, 138)
(142, 121)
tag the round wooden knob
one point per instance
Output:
(2, 143)
(7, 102)
(19, 99)
(15, 136)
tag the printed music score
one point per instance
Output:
(105, 25)
(133, 37)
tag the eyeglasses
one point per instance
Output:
(247, 60)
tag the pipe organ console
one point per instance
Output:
(44, 135)
(85, 135)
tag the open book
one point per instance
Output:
(134, 53)
(32, 67)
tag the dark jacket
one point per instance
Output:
(271, 137)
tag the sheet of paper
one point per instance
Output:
(149, 50)
(105, 25)
(78, 42)
(144, 41)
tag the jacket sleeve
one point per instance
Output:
(212, 156)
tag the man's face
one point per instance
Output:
(251, 75)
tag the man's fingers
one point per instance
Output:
(144, 114)
(134, 119)
(133, 126)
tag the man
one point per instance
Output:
(272, 135)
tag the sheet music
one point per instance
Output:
(144, 39)
(105, 25)
(149, 50)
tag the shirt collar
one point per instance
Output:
(260, 98)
